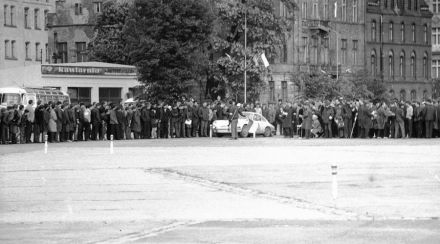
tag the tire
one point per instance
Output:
(267, 132)
(244, 131)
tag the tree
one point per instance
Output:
(266, 32)
(167, 41)
(109, 43)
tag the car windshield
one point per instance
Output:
(11, 98)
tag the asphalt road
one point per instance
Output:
(264, 190)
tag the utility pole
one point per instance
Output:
(245, 48)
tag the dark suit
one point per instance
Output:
(429, 115)
(95, 118)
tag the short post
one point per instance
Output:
(255, 134)
(334, 182)
(111, 144)
(45, 144)
(210, 131)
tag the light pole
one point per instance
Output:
(245, 48)
(337, 53)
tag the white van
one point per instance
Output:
(15, 95)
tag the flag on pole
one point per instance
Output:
(265, 62)
(336, 9)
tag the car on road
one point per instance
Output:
(246, 125)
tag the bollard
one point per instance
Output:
(334, 182)
(45, 144)
(111, 144)
(255, 134)
(210, 131)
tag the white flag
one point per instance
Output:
(265, 62)
(229, 56)
(336, 9)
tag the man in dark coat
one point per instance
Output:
(146, 121)
(327, 116)
(120, 116)
(234, 114)
(175, 122)
(38, 123)
(204, 117)
(195, 120)
(288, 120)
(60, 119)
(347, 117)
(429, 115)
(96, 121)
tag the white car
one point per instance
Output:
(246, 125)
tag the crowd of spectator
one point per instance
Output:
(338, 118)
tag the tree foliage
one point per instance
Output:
(359, 85)
(167, 41)
(266, 32)
(109, 43)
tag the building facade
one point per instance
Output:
(398, 45)
(434, 6)
(23, 32)
(390, 39)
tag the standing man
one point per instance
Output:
(204, 117)
(31, 120)
(195, 120)
(327, 118)
(409, 119)
(429, 113)
(234, 112)
(96, 121)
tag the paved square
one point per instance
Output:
(264, 190)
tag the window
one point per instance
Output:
(5, 15)
(37, 52)
(97, 6)
(402, 65)
(425, 95)
(416, 5)
(355, 51)
(409, 4)
(304, 10)
(344, 10)
(26, 18)
(425, 66)
(391, 32)
(12, 13)
(315, 13)
(27, 46)
(78, 9)
(413, 31)
(36, 22)
(305, 49)
(79, 95)
(385, 3)
(435, 36)
(271, 91)
(81, 54)
(413, 95)
(355, 11)
(110, 95)
(413, 65)
(47, 53)
(435, 6)
(7, 48)
(344, 51)
(285, 53)
(326, 9)
(402, 32)
(402, 95)
(46, 12)
(284, 90)
(435, 68)
(373, 30)
(13, 49)
(373, 63)
(393, 4)
(62, 52)
(425, 33)
(391, 64)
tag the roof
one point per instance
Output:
(93, 64)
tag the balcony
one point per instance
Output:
(320, 69)
(316, 24)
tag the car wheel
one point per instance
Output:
(245, 131)
(267, 132)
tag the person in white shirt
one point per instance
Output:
(409, 119)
